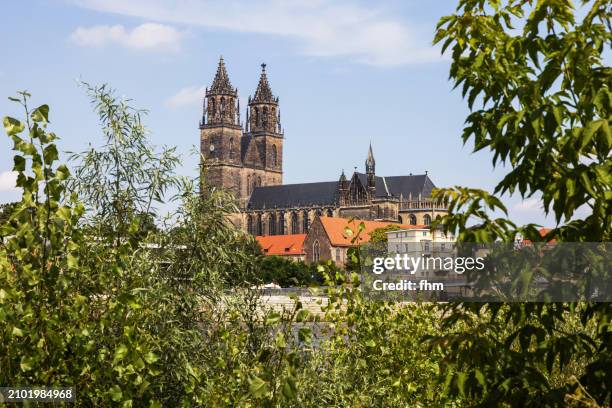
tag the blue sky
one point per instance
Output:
(347, 73)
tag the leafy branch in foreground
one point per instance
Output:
(538, 88)
(123, 180)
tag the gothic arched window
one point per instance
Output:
(259, 226)
(316, 251)
(250, 224)
(272, 225)
(295, 226)
(427, 219)
(265, 117)
(281, 223)
(249, 189)
(274, 155)
(305, 222)
(258, 181)
(412, 219)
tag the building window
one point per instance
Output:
(316, 251)
(274, 155)
(250, 224)
(427, 219)
(330, 213)
(249, 185)
(338, 255)
(295, 225)
(412, 219)
(272, 225)
(259, 226)
(258, 181)
(231, 148)
(305, 222)
(281, 223)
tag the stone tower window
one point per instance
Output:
(274, 155)
(316, 251)
(231, 148)
(249, 184)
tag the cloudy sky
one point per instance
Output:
(347, 73)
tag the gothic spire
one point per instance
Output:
(221, 84)
(263, 92)
(370, 162)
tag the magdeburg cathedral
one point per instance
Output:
(248, 161)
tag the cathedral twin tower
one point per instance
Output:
(236, 158)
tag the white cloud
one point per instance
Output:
(148, 36)
(186, 96)
(7, 181)
(323, 28)
(532, 205)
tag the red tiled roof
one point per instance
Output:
(543, 232)
(282, 244)
(336, 229)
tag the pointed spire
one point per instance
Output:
(342, 176)
(263, 92)
(221, 84)
(370, 168)
(370, 160)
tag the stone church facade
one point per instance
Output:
(247, 159)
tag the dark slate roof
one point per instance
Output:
(294, 195)
(325, 193)
(401, 185)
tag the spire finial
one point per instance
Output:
(263, 66)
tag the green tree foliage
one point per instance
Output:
(123, 180)
(535, 79)
(379, 235)
(121, 323)
(287, 273)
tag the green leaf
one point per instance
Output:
(273, 318)
(41, 114)
(17, 332)
(115, 393)
(258, 387)
(120, 353)
(26, 363)
(290, 388)
(19, 163)
(12, 126)
(50, 154)
(150, 357)
(305, 335)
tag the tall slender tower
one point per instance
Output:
(220, 134)
(263, 128)
(370, 166)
